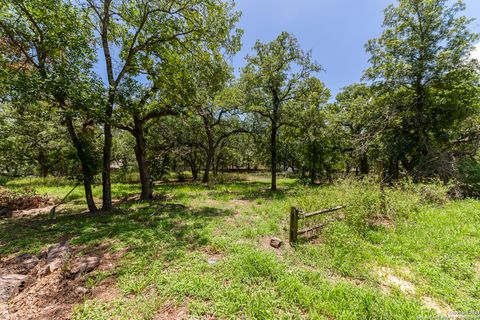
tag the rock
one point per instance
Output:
(276, 243)
(83, 265)
(60, 251)
(51, 267)
(57, 257)
(11, 285)
(81, 291)
(212, 261)
(26, 262)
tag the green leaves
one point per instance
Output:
(421, 65)
(279, 78)
(422, 41)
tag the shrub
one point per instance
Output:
(3, 181)
(469, 183)
(434, 192)
(182, 176)
(366, 201)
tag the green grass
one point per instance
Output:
(433, 247)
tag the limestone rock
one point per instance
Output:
(60, 251)
(11, 285)
(51, 267)
(26, 262)
(81, 291)
(83, 265)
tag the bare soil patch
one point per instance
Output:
(477, 268)
(389, 280)
(172, 311)
(51, 289)
(381, 221)
(435, 305)
(265, 245)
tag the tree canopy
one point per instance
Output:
(146, 87)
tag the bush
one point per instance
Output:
(367, 203)
(181, 176)
(469, 183)
(435, 192)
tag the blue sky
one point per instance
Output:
(335, 31)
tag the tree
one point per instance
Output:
(358, 120)
(276, 81)
(31, 140)
(216, 106)
(422, 58)
(140, 31)
(48, 59)
(190, 143)
(140, 110)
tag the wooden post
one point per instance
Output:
(293, 224)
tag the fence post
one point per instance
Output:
(293, 224)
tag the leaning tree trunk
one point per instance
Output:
(141, 156)
(84, 161)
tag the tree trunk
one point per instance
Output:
(313, 168)
(210, 153)
(84, 161)
(43, 165)
(44, 170)
(329, 174)
(192, 162)
(107, 146)
(391, 171)
(217, 164)
(107, 154)
(141, 156)
(273, 147)
(194, 172)
(364, 165)
(87, 185)
(210, 147)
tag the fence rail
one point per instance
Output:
(297, 214)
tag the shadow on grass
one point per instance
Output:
(134, 227)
